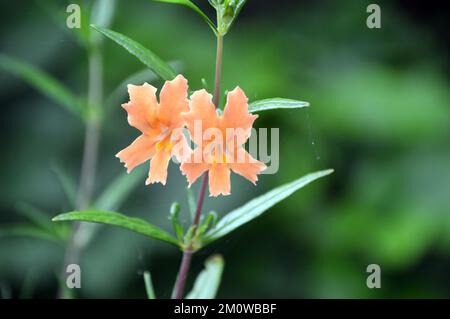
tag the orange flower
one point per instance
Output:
(160, 123)
(220, 141)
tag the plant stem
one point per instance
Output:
(89, 165)
(182, 274)
(216, 99)
(90, 154)
(187, 254)
(201, 197)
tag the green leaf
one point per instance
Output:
(192, 6)
(44, 83)
(259, 205)
(117, 192)
(67, 183)
(239, 4)
(35, 215)
(206, 222)
(227, 12)
(43, 224)
(149, 285)
(84, 32)
(142, 53)
(208, 281)
(28, 231)
(191, 202)
(275, 103)
(174, 218)
(136, 225)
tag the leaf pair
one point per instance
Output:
(253, 209)
(193, 7)
(56, 91)
(227, 12)
(166, 72)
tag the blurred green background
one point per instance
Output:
(380, 117)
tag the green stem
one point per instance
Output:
(89, 162)
(218, 70)
(187, 253)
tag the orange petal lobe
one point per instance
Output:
(137, 152)
(235, 114)
(142, 106)
(173, 101)
(219, 180)
(193, 169)
(249, 168)
(158, 168)
(202, 112)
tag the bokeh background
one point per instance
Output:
(380, 117)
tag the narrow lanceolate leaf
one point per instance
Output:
(192, 6)
(119, 189)
(208, 281)
(42, 222)
(191, 202)
(139, 51)
(259, 205)
(36, 216)
(28, 231)
(149, 285)
(239, 5)
(275, 103)
(44, 83)
(136, 225)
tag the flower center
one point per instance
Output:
(164, 140)
(217, 159)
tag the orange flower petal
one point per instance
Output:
(219, 180)
(137, 152)
(158, 167)
(202, 111)
(173, 101)
(142, 107)
(250, 168)
(235, 114)
(193, 170)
